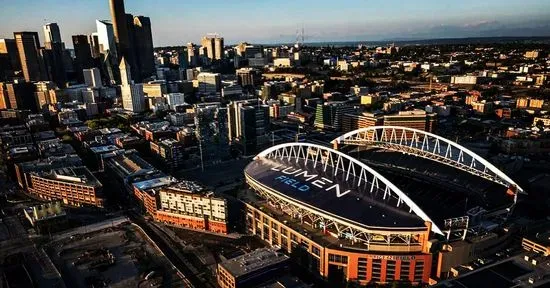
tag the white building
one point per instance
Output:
(467, 79)
(174, 99)
(133, 98)
(106, 37)
(92, 77)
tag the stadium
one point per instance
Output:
(348, 221)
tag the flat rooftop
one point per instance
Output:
(155, 183)
(80, 175)
(253, 261)
(369, 209)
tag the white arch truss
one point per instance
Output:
(427, 145)
(363, 177)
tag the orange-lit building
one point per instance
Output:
(182, 203)
(331, 256)
(75, 186)
(188, 205)
(417, 119)
(351, 122)
(504, 113)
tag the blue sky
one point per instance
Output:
(176, 22)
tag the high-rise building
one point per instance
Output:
(329, 115)
(211, 131)
(93, 40)
(174, 99)
(20, 96)
(192, 54)
(218, 48)
(214, 46)
(54, 63)
(133, 98)
(143, 47)
(120, 26)
(83, 55)
(209, 82)
(92, 77)
(248, 122)
(9, 47)
(28, 46)
(106, 37)
(51, 34)
(248, 77)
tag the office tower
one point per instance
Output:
(8, 46)
(133, 98)
(21, 96)
(83, 55)
(192, 54)
(329, 115)
(51, 34)
(248, 124)
(209, 82)
(174, 99)
(129, 52)
(54, 63)
(120, 25)
(42, 94)
(143, 48)
(248, 77)
(93, 40)
(28, 47)
(213, 45)
(106, 38)
(211, 131)
(92, 77)
(218, 48)
(207, 44)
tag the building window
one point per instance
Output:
(315, 251)
(338, 258)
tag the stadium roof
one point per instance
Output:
(333, 193)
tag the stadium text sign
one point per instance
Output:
(301, 180)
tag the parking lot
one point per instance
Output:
(112, 257)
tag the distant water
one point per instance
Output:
(483, 40)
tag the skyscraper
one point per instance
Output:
(51, 34)
(9, 47)
(21, 96)
(106, 37)
(211, 131)
(28, 47)
(248, 123)
(133, 98)
(218, 48)
(53, 55)
(213, 45)
(118, 16)
(92, 77)
(93, 40)
(83, 55)
(143, 48)
(208, 44)
(192, 54)
(54, 66)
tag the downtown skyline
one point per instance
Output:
(176, 22)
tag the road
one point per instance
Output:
(168, 247)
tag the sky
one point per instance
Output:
(176, 22)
